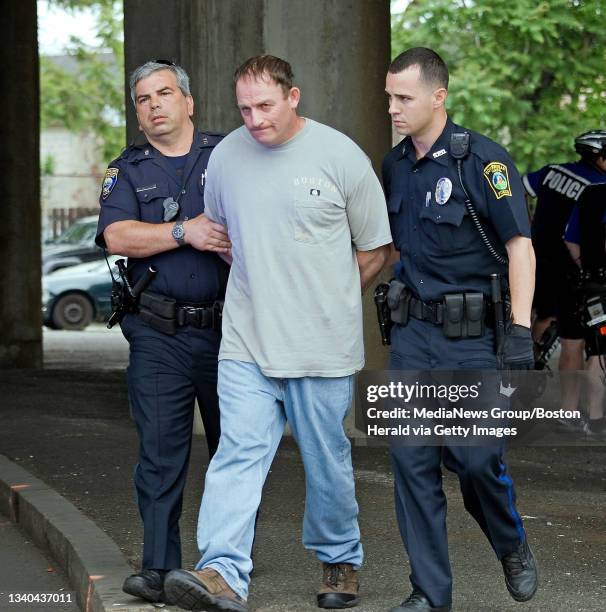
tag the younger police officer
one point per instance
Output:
(442, 253)
(152, 211)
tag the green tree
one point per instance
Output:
(528, 74)
(89, 96)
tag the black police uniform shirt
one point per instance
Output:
(558, 189)
(441, 250)
(134, 188)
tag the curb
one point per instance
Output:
(94, 566)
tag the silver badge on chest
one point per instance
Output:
(443, 190)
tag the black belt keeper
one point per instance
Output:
(427, 311)
(196, 317)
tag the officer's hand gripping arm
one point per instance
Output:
(205, 235)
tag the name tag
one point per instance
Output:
(146, 188)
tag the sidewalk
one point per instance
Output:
(71, 429)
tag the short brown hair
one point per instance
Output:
(432, 67)
(278, 70)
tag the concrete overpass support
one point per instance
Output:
(20, 303)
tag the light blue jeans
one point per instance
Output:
(254, 410)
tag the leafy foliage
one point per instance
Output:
(528, 74)
(89, 95)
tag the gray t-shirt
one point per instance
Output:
(296, 214)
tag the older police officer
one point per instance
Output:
(443, 254)
(152, 205)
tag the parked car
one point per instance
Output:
(74, 246)
(74, 297)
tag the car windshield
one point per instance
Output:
(78, 233)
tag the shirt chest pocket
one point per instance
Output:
(151, 197)
(315, 220)
(444, 229)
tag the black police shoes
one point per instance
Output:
(148, 585)
(520, 571)
(417, 601)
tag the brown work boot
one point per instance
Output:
(203, 589)
(340, 586)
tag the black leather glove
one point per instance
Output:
(517, 348)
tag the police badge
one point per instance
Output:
(109, 182)
(443, 190)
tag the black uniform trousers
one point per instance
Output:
(487, 489)
(165, 375)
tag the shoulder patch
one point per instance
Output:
(109, 182)
(498, 178)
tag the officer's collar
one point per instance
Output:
(142, 147)
(406, 147)
(439, 150)
(145, 150)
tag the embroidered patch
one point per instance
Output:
(109, 182)
(443, 190)
(498, 179)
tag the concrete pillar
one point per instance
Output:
(209, 38)
(20, 300)
(223, 34)
(339, 50)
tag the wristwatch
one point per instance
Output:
(179, 233)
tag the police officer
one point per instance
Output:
(443, 254)
(585, 238)
(152, 211)
(558, 189)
